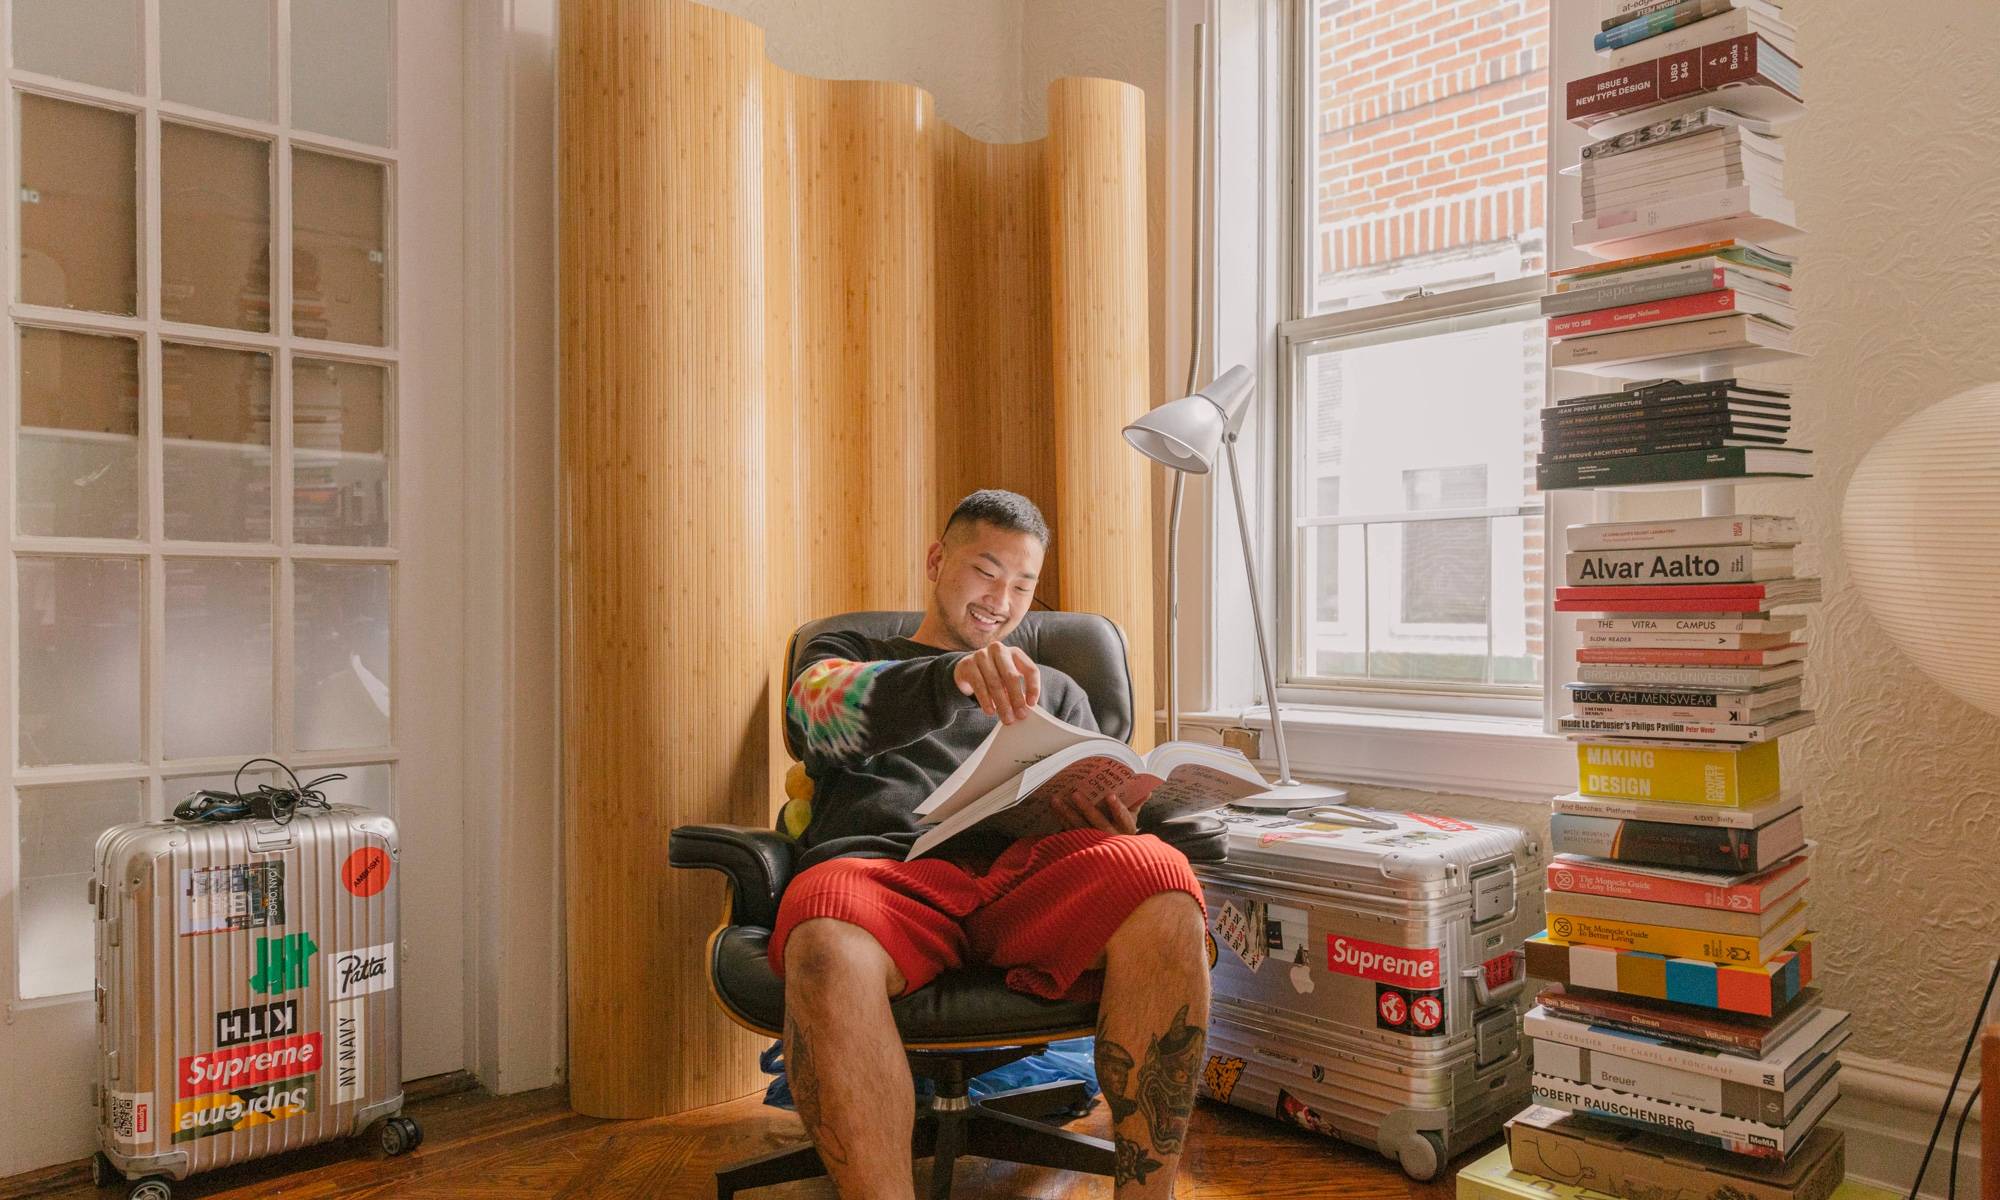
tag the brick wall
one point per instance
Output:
(1431, 124)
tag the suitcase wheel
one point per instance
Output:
(153, 1187)
(400, 1135)
(102, 1173)
(1421, 1155)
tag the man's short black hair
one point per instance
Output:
(1001, 509)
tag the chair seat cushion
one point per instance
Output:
(970, 1006)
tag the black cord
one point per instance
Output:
(1958, 1135)
(1972, 1036)
(266, 802)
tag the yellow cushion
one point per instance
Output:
(797, 812)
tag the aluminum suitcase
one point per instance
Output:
(246, 1003)
(1368, 976)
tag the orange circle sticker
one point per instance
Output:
(366, 871)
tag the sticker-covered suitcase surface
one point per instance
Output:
(1368, 976)
(246, 1002)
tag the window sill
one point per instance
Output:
(1507, 758)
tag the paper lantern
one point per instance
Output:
(1922, 532)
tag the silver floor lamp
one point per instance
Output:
(1183, 436)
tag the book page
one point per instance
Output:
(1198, 787)
(1006, 752)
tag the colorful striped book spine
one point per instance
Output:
(1759, 991)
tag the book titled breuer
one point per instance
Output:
(1008, 785)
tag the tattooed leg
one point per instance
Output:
(846, 1066)
(1152, 1028)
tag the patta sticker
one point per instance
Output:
(360, 972)
(1219, 1077)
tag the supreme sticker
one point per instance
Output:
(241, 1066)
(1448, 824)
(1398, 965)
(244, 1108)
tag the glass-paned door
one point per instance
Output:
(213, 405)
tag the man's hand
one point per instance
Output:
(1004, 680)
(1113, 811)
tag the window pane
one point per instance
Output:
(59, 828)
(1433, 416)
(79, 435)
(341, 648)
(337, 247)
(79, 660)
(340, 493)
(1427, 143)
(215, 228)
(218, 684)
(340, 69)
(216, 410)
(79, 206)
(90, 41)
(216, 54)
(364, 787)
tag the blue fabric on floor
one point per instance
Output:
(1062, 1062)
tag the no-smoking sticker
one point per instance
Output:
(1414, 1013)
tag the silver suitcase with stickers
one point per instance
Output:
(246, 1002)
(1368, 976)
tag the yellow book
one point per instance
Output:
(1679, 773)
(1729, 949)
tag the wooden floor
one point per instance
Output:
(532, 1147)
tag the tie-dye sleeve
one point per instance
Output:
(845, 711)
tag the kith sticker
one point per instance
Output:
(1219, 1077)
(260, 1062)
(348, 1025)
(131, 1118)
(280, 1018)
(244, 1108)
(1232, 928)
(284, 963)
(1398, 965)
(1416, 1013)
(1448, 824)
(352, 973)
(227, 899)
(366, 871)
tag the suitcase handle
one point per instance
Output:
(1484, 994)
(1340, 814)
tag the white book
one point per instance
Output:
(1711, 816)
(1772, 1106)
(1763, 623)
(1678, 564)
(1688, 641)
(1746, 530)
(1730, 1133)
(1736, 23)
(1745, 213)
(1790, 1057)
(1694, 731)
(1704, 268)
(1007, 783)
(1671, 341)
(1728, 713)
(1679, 676)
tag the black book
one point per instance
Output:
(1735, 462)
(1662, 445)
(1687, 847)
(1691, 412)
(1677, 402)
(1570, 437)
(1679, 387)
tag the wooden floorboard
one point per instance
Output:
(532, 1147)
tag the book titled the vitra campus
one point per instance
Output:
(1008, 784)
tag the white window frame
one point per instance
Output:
(1448, 743)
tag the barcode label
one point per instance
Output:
(132, 1117)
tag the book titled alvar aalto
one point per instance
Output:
(1685, 564)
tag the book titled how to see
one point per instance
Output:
(1010, 783)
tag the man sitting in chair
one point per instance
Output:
(1098, 910)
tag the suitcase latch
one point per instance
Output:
(266, 836)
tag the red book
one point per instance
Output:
(1586, 877)
(1683, 591)
(1609, 93)
(1662, 655)
(1657, 312)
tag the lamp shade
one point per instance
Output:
(1921, 526)
(1184, 434)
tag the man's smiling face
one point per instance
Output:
(983, 582)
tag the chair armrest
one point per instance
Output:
(758, 863)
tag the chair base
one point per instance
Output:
(1007, 1126)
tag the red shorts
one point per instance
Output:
(1044, 910)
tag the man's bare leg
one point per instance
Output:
(845, 1063)
(1151, 1031)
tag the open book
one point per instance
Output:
(1007, 783)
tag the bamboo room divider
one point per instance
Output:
(800, 319)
